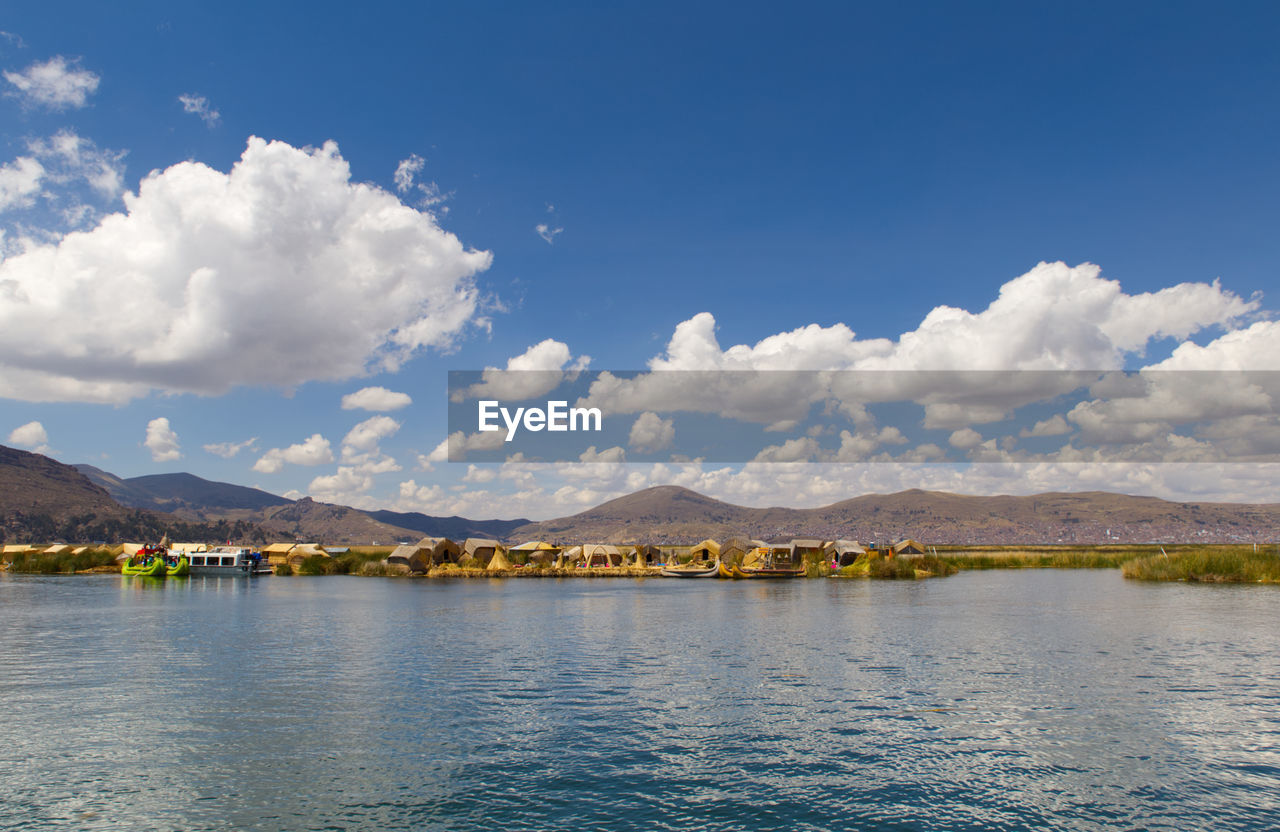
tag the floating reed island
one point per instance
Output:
(438, 557)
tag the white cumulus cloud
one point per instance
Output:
(314, 450)
(375, 398)
(279, 272)
(57, 84)
(534, 372)
(20, 182)
(31, 436)
(650, 432)
(162, 440)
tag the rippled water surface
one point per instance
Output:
(990, 700)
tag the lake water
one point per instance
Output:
(989, 700)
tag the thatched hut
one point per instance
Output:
(57, 549)
(412, 556)
(277, 553)
(188, 548)
(908, 546)
(707, 550)
(734, 551)
(599, 555)
(808, 550)
(478, 551)
(844, 552)
(303, 551)
(568, 558)
(443, 550)
(499, 562)
(646, 554)
(535, 551)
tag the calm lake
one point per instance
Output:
(989, 700)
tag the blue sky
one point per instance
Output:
(817, 165)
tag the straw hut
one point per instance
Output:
(79, 550)
(477, 551)
(188, 548)
(535, 551)
(706, 550)
(599, 555)
(646, 554)
(412, 556)
(568, 558)
(807, 550)
(13, 550)
(908, 546)
(277, 553)
(303, 551)
(57, 549)
(499, 562)
(844, 552)
(443, 550)
(735, 550)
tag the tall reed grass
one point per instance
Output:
(1209, 564)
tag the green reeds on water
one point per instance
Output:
(1209, 564)
(42, 564)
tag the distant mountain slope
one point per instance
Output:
(678, 515)
(454, 528)
(176, 492)
(35, 484)
(308, 520)
(42, 500)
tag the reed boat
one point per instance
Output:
(149, 562)
(685, 572)
(180, 568)
(768, 572)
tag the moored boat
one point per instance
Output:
(179, 568)
(697, 572)
(231, 561)
(149, 562)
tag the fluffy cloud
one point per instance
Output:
(20, 182)
(1037, 339)
(56, 171)
(31, 436)
(277, 273)
(162, 441)
(198, 105)
(535, 372)
(375, 398)
(228, 450)
(360, 446)
(347, 486)
(69, 158)
(651, 432)
(312, 451)
(57, 84)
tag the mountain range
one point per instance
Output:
(42, 499)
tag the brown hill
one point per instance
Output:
(678, 515)
(308, 520)
(33, 484)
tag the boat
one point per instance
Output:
(231, 561)
(149, 562)
(696, 572)
(772, 562)
(179, 568)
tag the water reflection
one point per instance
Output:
(1013, 700)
